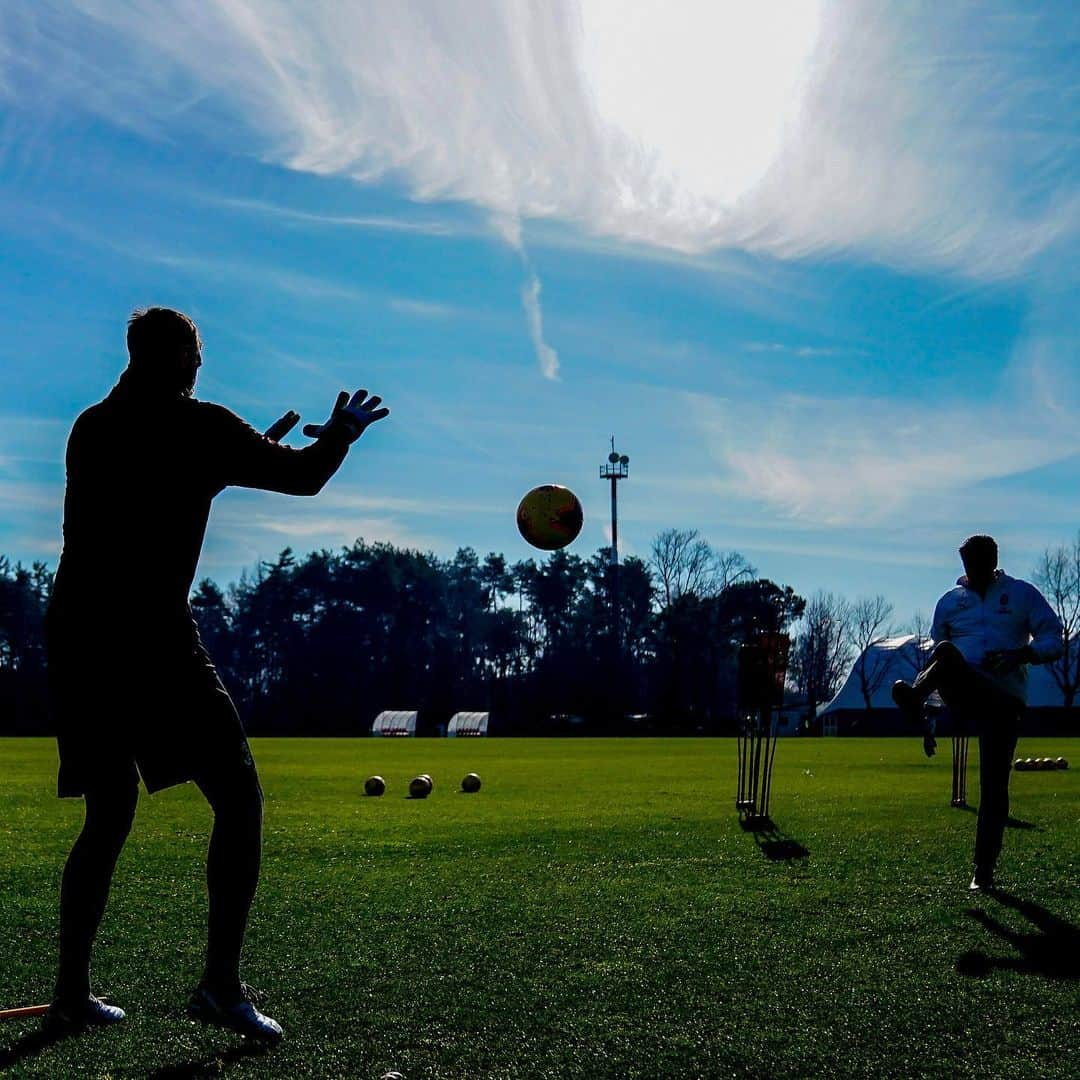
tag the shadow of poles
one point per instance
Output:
(1010, 822)
(1019, 823)
(1051, 951)
(772, 841)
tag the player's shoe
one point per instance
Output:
(236, 1012)
(983, 881)
(65, 1018)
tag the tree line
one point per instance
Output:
(319, 644)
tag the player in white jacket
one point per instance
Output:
(986, 632)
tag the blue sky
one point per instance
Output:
(812, 264)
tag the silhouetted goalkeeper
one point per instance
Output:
(134, 692)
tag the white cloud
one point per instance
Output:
(916, 135)
(866, 461)
(366, 222)
(804, 351)
(546, 356)
(425, 309)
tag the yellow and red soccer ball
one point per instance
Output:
(550, 516)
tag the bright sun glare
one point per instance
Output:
(708, 87)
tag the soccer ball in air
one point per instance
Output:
(471, 783)
(550, 516)
(420, 787)
(374, 785)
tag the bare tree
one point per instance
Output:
(686, 564)
(681, 559)
(823, 648)
(871, 623)
(915, 658)
(730, 568)
(1058, 576)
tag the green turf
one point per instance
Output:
(594, 911)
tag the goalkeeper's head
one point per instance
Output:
(164, 351)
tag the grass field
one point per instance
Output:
(594, 911)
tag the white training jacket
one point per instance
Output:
(1013, 614)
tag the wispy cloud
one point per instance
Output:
(424, 309)
(366, 222)
(918, 136)
(806, 351)
(858, 461)
(34, 439)
(297, 283)
(25, 497)
(546, 356)
(248, 525)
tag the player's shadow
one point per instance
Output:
(1053, 951)
(212, 1066)
(772, 841)
(33, 1042)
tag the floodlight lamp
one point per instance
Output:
(613, 457)
(624, 460)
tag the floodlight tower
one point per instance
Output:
(616, 469)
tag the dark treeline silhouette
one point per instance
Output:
(23, 596)
(320, 644)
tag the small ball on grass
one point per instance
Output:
(1062, 763)
(419, 787)
(471, 783)
(374, 785)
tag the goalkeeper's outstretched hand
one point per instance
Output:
(351, 416)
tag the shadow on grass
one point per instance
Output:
(33, 1042)
(773, 842)
(1010, 822)
(1053, 952)
(212, 1066)
(1019, 823)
